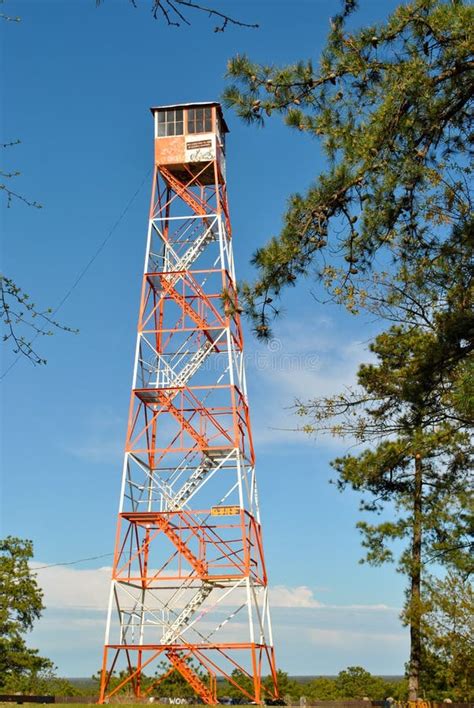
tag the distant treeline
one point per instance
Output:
(353, 683)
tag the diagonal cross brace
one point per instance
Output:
(180, 189)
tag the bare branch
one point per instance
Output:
(226, 19)
(14, 195)
(10, 193)
(10, 144)
(173, 13)
(17, 311)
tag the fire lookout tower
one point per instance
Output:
(189, 586)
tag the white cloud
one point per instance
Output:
(302, 596)
(87, 589)
(366, 608)
(71, 630)
(302, 368)
(346, 637)
(74, 588)
(102, 451)
(102, 437)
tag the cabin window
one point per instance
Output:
(170, 123)
(200, 120)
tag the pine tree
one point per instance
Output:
(21, 604)
(392, 105)
(417, 466)
(448, 636)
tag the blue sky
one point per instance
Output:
(77, 84)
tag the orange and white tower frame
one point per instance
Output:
(189, 586)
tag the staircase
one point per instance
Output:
(169, 280)
(196, 601)
(191, 677)
(164, 400)
(166, 375)
(193, 364)
(186, 195)
(210, 461)
(167, 528)
(168, 283)
(210, 234)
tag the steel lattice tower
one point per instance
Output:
(189, 587)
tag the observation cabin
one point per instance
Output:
(190, 140)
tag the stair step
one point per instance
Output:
(167, 529)
(197, 248)
(191, 677)
(212, 458)
(196, 601)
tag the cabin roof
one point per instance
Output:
(154, 109)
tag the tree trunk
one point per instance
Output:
(415, 586)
